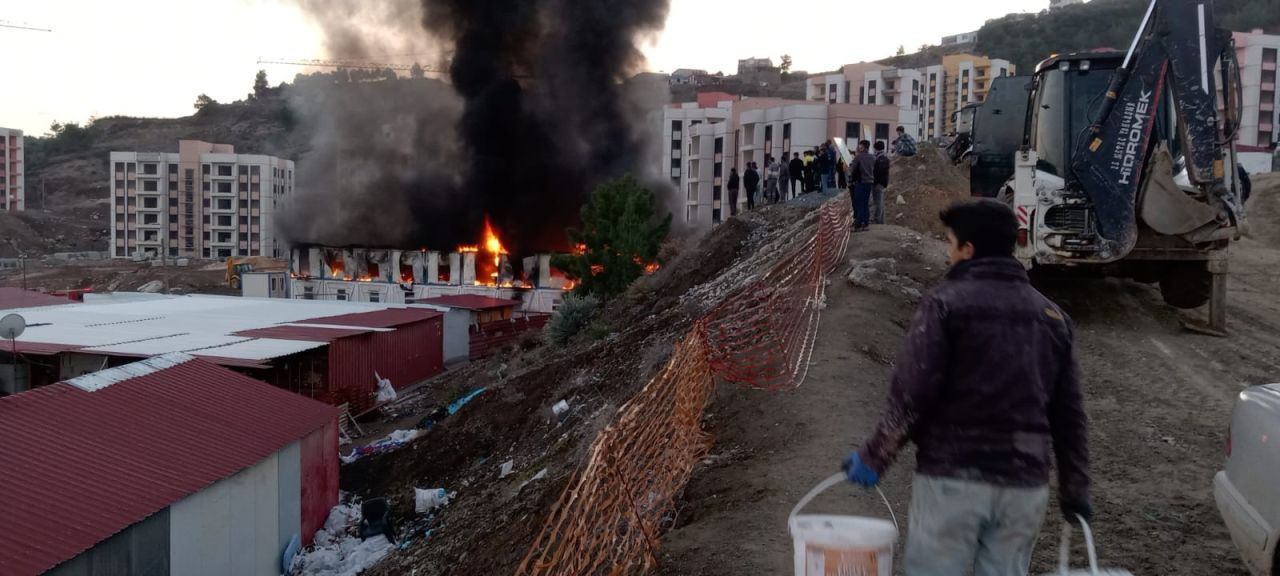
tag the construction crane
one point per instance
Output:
(7, 24)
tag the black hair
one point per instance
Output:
(865, 143)
(901, 129)
(986, 223)
(879, 145)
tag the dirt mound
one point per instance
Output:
(920, 187)
(1264, 209)
(35, 233)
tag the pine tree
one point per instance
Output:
(621, 231)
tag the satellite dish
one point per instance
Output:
(12, 326)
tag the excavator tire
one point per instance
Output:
(1186, 285)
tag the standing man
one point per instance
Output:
(751, 180)
(771, 172)
(797, 173)
(881, 184)
(784, 178)
(861, 181)
(988, 389)
(808, 172)
(733, 191)
(820, 168)
(829, 177)
(904, 144)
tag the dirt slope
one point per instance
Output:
(1159, 400)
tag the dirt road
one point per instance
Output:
(1159, 399)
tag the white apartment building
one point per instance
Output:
(205, 201)
(933, 102)
(962, 38)
(11, 179)
(702, 144)
(901, 88)
(1260, 112)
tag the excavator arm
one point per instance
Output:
(1174, 54)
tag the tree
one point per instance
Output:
(621, 232)
(924, 47)
(260, 86)
(902, 50)
(786, 64)
(416, 71)
(204, 101)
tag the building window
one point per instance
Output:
(716, 193)
(150, 236)
(847, 87)
(862, 94)
(889, 99)
(888, 85)
(224, 169)
(832, 94)
(375, 296)
(120, 168)
(224, 220)
(150, 218)
(150, 168)
(173, 169)
(308, 293)
(719, 146)
(852, 131)
(882, 131)
(715, 215)
(150, 202)
(150, 185)
(224, 187)
(224, 204)
(675, 126)
(224, 253)
(224, 237)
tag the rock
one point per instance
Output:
(152, 287)
(881, 275)
(901, 200)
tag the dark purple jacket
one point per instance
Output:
(987, 386)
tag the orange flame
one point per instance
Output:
(468, 248)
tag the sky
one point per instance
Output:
(153, 57)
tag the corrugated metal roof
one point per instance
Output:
(311, 333)
(81, 466)
(259, 349)
(470, 302)
(125, 325)
(16, 299)
(40, 348)
(381, 319)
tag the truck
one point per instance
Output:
(1127, 166)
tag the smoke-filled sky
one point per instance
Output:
(152, 57)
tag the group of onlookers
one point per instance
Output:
(823, 170)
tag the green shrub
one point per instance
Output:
(574, 315)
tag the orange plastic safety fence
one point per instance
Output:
(762, 335)
(608, 517)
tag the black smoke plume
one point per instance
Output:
(544, 117)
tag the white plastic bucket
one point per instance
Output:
(829, 545)
(1064, 555)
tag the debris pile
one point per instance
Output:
(338, 549)
(922, 186)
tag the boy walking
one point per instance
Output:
(988, 388)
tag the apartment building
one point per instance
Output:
(11, 169)
(703, 142)
(899, 88)
(844, 86)
(968, 79)
(933, 108)
(1260, 110)
(205, 201)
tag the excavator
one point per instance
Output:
(1127, 165)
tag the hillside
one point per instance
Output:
(1026, 39)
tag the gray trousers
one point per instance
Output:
(877, 205)
(961, 526)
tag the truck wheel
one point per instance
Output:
(1186, 285)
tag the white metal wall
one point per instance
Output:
(234, 527)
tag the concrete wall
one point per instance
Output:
(234, 526)
(139, 550)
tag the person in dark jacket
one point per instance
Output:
(881, 184)
(733, 191)
(861, 182)
(821, 165)
(988, 388)
(751, 181)
(797, 173)
(808, 171)
(784, 177)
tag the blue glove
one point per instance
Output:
(859, 473)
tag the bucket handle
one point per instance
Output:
(837, 479)
(1064, 547)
